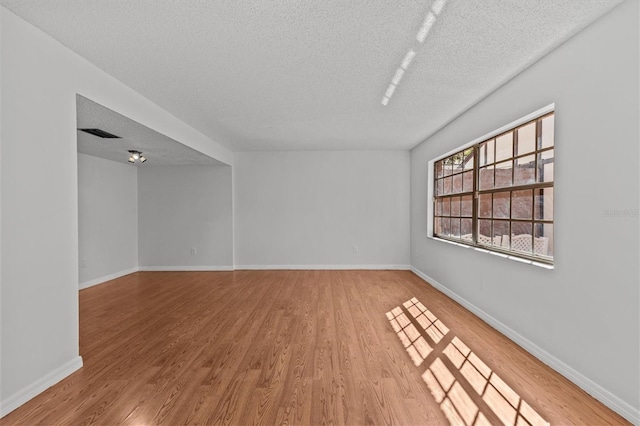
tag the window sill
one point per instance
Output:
(495, 253)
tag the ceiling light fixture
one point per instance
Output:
(407, 59)
(429, 21)
(437, 6)
(136, 156)
(426, 27)
(390, 89)
(398, 76)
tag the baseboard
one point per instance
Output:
(240, 267)
(109, 277)
(39, 386)
(324, 267)
(592, 388)
(186, 268)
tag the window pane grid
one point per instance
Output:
(503, 201)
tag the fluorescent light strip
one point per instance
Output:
(398, 76)
(437, 6)
(390, 90)
(407, 59)
(429, 20)
(426, 27)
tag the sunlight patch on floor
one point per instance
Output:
(467, 390)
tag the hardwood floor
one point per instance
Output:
(297, 347)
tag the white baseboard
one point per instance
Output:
(239, 267)
(109, 277)
(25, 394)
(186, 268)
(592, 388)
(324, 267)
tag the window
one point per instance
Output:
(498, 194)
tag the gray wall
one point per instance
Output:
(311, 208)
(185, 207)
(583, 314)
(39, 216)
(39, 264)
(107, 219)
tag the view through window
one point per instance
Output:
(498, 194)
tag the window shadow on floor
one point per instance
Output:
(466, 389)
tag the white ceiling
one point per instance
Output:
(159, 150)
(309, 74)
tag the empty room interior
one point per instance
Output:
(337, 212)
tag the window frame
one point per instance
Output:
(534, 187)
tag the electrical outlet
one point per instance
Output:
(193, 251)
(83, 262)
(355, 250)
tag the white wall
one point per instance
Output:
(185, 207)
(311, 208)
(1, 220)
(582, 316)
(107, 219)
(40, 79)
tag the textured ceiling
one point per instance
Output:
(158, 149)
(308, 74)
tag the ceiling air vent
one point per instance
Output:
(100, 133)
